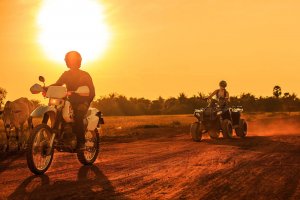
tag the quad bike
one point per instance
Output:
(215, 119)
(55, 130)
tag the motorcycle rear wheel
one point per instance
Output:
(39, 155)
(92, 147)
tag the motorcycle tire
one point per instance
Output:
(82, 154)
(32, 165)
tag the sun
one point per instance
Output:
(67, 25)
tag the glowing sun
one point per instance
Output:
(67, 25)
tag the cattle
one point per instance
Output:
(14, 115)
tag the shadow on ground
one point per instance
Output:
(6, 159)
(91, 183)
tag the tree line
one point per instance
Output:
(115, 104)
(118, 105)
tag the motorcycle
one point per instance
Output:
(55, 130)
(218, 118)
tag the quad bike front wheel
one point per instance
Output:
(227, 129)
(242, 130)
(39, 153)
(196, 131)
(92, 147)
(214, 132)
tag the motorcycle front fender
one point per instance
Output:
(45, 112)
(41, 110)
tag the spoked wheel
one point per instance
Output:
(91, 151)
(39, 153)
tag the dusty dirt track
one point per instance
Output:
(163, 163)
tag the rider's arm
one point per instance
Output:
(227, 97)
(212, 94)
(60, 81)
(89, 82)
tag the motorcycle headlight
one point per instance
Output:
(55, 102)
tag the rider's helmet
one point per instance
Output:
(73, 59)
(223, 84)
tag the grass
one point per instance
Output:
(122, 125)
(126, 125)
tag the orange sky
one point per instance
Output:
(166, 47)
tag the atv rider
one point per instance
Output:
(221, 94)
(74, 78)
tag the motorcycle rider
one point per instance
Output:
(74, 78)
(221, 94)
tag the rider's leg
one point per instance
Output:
(80, 111)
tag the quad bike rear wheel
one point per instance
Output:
(242, 130)
(92, 147)
(196, 131)
(227, 129)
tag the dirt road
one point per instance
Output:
(165, 164)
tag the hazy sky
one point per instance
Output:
(163, 47)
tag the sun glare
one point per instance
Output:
(67, 25)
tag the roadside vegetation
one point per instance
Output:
(120, 105)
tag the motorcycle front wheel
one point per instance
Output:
(92, 144)
(39, 153)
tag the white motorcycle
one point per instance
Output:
(55, 131)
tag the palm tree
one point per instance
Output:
(182, 98)
(286, 95)
(277, 91)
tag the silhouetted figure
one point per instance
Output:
(74, 78)
(221, 94)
